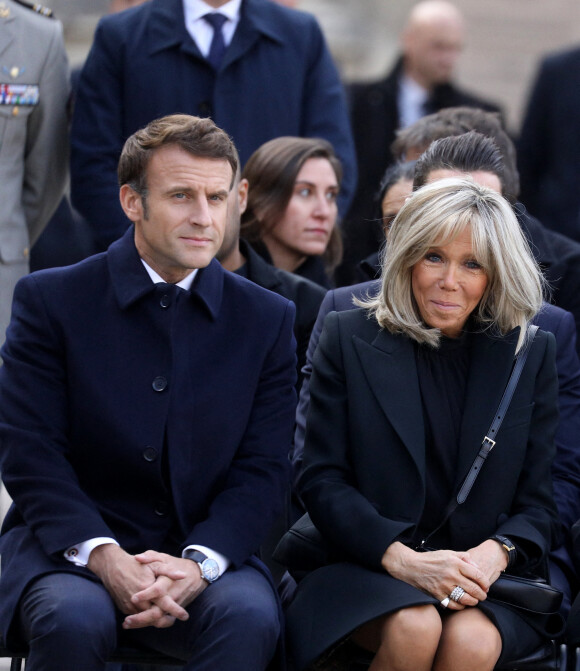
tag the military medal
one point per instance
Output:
(19, 94)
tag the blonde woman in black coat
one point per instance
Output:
(402, 394)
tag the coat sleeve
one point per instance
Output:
(326, 306)
(46, 158)
(34, 449)
(344, 515)
(566, 467)
(533, 518)
(257, 481)
(97, 137)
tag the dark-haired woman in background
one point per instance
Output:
(291, 214)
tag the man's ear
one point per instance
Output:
(131, 203)
(243, 195)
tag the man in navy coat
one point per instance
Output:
(549, 144)
(146, 411)
(275, 77)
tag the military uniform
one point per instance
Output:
(34, 92)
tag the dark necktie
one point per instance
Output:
(218, 46)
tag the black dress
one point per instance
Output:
(361, 594)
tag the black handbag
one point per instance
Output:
(529, 593)
(303, 548)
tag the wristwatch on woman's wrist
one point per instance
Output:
(508, 546)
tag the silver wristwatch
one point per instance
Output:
(210, 571)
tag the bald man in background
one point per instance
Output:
(420, 83)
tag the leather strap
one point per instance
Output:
(488, 442)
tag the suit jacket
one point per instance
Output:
(306, 296)
(122, 416)
(375, 119)
(364, 467)
(277, 78)
(33, 137)
(549, 144)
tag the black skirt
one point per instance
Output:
(332, 602)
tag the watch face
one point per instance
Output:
(210, 569)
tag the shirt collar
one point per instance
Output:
(195, 9)
(185, 283)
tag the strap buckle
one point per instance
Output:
(490, 445)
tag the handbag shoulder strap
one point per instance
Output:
(488, 442)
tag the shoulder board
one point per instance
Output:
(36, 7)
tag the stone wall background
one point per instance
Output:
(506, 38)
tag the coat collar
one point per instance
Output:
(131, 282)
(402, 404)
(168, 29)
(490, 366)
(257, 270)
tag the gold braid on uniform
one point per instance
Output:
(36, 7)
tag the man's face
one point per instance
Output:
(432, 50)
(186, 211)
(237, 201)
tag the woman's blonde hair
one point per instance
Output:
(433, 216)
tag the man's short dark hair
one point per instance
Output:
(195, 135)
(470, 152)
(456, 121)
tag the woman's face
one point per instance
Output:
(448, 284)
(305, 228)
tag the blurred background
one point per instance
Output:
(505, 39)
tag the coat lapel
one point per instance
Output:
(254, 23)
(398, 395)
(490, 367)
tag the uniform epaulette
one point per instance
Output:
(36, 7)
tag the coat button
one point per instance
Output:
(159, 383)
(162, 508)
(165, 301)
(150, 453)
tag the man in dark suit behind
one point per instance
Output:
(272, 75)
(146, 411)
(549, 144)
(420, 83)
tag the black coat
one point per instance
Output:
(95, 440)
(549, 145)
(364, 456)
(306, 296)
(365, 467)
(375, 119)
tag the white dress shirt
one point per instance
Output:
(411, 101)
(201, 31)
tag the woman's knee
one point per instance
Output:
(407, 628)
(468, 638)
(418, 624)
